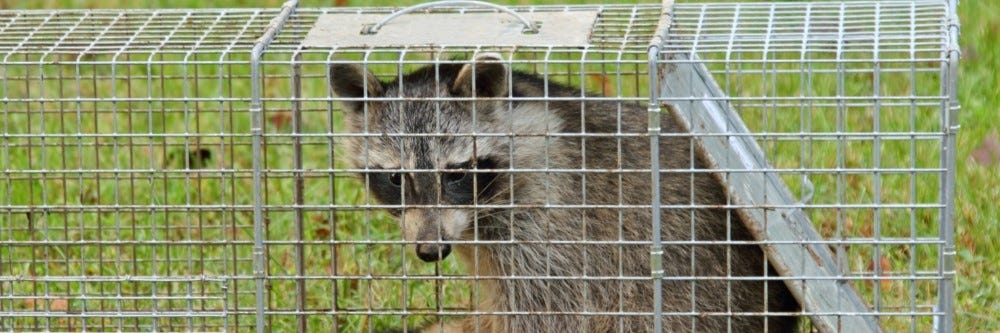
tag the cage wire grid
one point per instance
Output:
(181, 170)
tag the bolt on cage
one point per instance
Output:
(131, 137)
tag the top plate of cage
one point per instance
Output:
(474, 23)
(500, 27)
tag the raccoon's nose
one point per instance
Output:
(433, 252)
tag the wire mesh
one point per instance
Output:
(124, 155)
(126, 200)
(849, 101)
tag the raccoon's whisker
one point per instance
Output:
(495, 195)
(496, 216)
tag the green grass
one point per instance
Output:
(219, 243)
(977, 190)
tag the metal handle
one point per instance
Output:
(373, 29)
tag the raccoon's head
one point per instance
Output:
(418, 146)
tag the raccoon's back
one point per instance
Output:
(693, 209)
(612, 154)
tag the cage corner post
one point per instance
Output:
(950, 126)
(653, 131)
(257, 133)
(298, 176)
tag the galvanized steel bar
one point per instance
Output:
(297, 192)
(257, 131)
(653, 122)
(950, 125)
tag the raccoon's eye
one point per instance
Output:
(455, 177)
(463, 187)
(396, 179)
(384, 185)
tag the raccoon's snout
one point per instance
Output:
(433, 230)
(433, 252)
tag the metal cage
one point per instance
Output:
(185, 170)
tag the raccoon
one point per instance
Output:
(522, 178)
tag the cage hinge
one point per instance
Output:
(256, 126)
(654, 118)
(948, 262)
(656, 261)
(258, 263)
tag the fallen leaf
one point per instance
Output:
(988, 152)
(606, 84)
(321, 233)
(353, 285)
(885, 266)
(319, 218)
(59, 304)
(286, 260)
(866, 230)
(29, 303)
(280, 119)
(340, 3)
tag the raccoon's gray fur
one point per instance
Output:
(538, 237)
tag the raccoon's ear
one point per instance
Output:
(353, 81)
(487, 72)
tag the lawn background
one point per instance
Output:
(978, 186)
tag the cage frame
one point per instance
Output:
(949, 72)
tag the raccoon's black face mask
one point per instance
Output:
(458, 184)
(436, 179)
